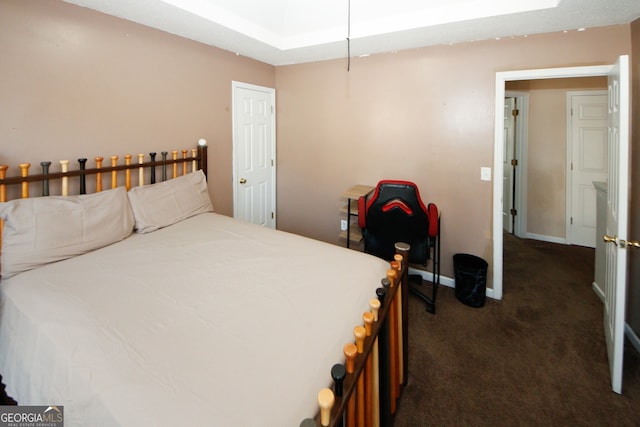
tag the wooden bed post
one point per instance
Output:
(393, 342)
(184, 162)
(174, 156)
(396, 265)
(367, 319)
(45, 179)
(99, 174)
(164, 165)
(360, 333)
(152, 178)
(140, 170)
(83, 178)
(350, 351)
(325, 401)
(374, 304)
(24, 172)
(202, 155)
(114, 174)
(127, 172)
(403, 250)
(384, 360)
(64, 167)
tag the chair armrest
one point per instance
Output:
(362, 208)
(432, 211)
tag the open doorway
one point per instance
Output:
(618, 85)
(552, 154)
(501, 82)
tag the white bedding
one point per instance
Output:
(143, 332)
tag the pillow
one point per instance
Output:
(159, 205)
(41, 230)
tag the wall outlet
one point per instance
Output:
(485, 174)
(343, 224)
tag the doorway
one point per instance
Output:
(501, 80)
(617, 199)
(587, 153)
(515, 162)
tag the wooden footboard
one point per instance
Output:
(367, 386)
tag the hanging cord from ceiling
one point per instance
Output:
(349, 35)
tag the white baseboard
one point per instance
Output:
(550, 239)
(444, 280)
(598, 291)
(635, 341)
(629, 333)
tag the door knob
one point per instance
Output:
(243, 181)
(610, 239)
(623, 243)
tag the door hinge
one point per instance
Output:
(515, 112)
(514, 212)
(514, 162)
(272, 109)
(571, 222)
(273, 215)
(271, 162)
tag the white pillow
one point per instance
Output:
(41, 230)
(165, 203)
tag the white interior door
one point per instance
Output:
(617, 218)
(588, 136)
(508, 168)
(254, 154)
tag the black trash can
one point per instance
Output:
(471, 279)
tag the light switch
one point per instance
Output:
(485, 174)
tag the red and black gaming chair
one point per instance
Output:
(395, 213)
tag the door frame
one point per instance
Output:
(498, 148)
(235, 85)
(521, 132)
(568, 235)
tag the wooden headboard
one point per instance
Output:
(151, 169)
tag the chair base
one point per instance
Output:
(416, 288)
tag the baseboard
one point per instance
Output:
(598, 291)
(633, 338)
(427, 275)
(550, 239)
(629, 333)
(444, 280)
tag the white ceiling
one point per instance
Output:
(281, 32)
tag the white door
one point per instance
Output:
(588, 123)
(617, 217)
(254, 151)
(508, 168)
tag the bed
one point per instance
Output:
(126, 314)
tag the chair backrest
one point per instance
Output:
(395, 213)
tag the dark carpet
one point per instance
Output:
(536, 358)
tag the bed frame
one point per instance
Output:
(366, 384)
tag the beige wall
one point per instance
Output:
(76, 82)
(80, 83)
(426, 115)
(633, 290)
(547, 151)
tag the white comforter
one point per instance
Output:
(210, 322)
